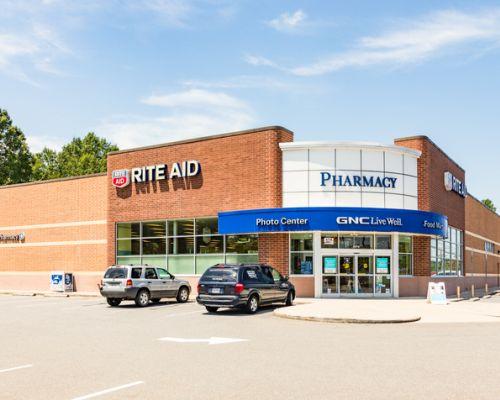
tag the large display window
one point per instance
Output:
(184, 246)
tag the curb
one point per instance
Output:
(347, 320)
(49, 294)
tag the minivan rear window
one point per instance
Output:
(220, 275)
(116, 273)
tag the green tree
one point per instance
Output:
(488, 203)
(81, 156)
(84, 156)
(45, 165)
(15, 157)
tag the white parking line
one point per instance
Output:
(181, 314)
(106, 391)
(16, 368)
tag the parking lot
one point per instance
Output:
(80, 348)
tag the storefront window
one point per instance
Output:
(242, 244)
(184, 246)
(446, 254)
(405, 255)
(383, 242)
(154, 229)
(356, 242)
(127, 230)
(301, 253)
(329, 241)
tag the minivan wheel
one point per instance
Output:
(114, 302)
(183, 294)
(142, 298)
(211, 309)
(289, 299)
(252, 304)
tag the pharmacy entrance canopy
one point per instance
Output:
(266, 220)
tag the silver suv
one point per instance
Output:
(141, 283)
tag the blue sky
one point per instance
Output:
(150, 71)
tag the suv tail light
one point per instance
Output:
(129, 282)
(238, 288)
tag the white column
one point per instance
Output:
(317, 264)
(395, 264)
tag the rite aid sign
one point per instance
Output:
(122, 177)
(453, 184)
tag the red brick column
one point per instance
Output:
(274, 250)
(421, 256)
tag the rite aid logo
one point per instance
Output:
(453, 184)
(120, 178)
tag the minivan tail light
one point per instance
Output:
(198, 288)
(238, 288)
(129, 282)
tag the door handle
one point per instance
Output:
(163, 281)
(150, 282)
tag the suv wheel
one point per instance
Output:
(142, 298)
(289, 299)
(252, 304)
(114, 302)
(211, 309)
(183, 294)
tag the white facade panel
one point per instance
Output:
(374, 200)
(348, 199)
(393, 162)
(410, 165)
(318, 199)
(296, 199)
(411, 203)
(295, 160)
(394, 201)
(348, 159)
(321, 159)
(358, 169)
(411, 186)
(372, 160)
(295, 181)
(315, 181)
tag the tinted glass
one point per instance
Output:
(301, 242)
(154, 229)
(128, 247)
(241, 244)
(216, 274)
(209, 244)
(181, 245)
(150, 273)
(383, 242)
(181, 227)
(329, 241)
(116, 273)
(136, 273)
(154, 246)
(163, 274)
(250, 275)
(276, 275)
(405, 244)
(128, 230)
(207, 226)
(267, 276)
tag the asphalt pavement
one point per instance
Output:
(77, 348)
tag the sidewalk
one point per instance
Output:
(380, 311)
(49, 293)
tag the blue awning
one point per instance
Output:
(332, 219)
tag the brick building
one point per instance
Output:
(341, 219)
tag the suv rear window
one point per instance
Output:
(220, 275)
(116, 273)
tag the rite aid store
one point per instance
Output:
(340, 218)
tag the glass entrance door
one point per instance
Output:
(356, 274)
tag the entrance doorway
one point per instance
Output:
(356, 275)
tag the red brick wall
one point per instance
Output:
(274, 250)
(238, 171)
(483, 222)
(29, 208)
(432, 195)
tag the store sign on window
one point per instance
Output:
(185, 169)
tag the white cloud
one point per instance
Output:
(172, 12)
(287, 22)
(416, 42)
(259, 61)
(37, 143)
(195, 98)
(190, 113)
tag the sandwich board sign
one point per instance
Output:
(436, 293)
